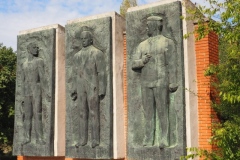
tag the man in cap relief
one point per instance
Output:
(156, 61)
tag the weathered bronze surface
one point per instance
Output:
(34, 107)
(89, 89)
(156, 124)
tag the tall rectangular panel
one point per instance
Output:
(89, 91)
(35, 96)
(156, 100)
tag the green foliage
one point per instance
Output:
(226, 138)
(125, 5)
(7, 94)
(224, 20)
(123, 9)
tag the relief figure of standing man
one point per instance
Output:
(89, 87)
(156, 61)
(32, 89)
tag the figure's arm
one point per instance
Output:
(22, 77)
(101, 71)
(140, 60)
(74, 80)
(41, 71)
(172, 66)
(44, 84)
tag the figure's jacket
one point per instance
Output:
(33, 77)
(89, 69)
(161, 68)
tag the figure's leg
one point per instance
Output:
(75, 121)
(93, 103)
(28, 114)
(149, 115)
(37, 109)
(161, 95)
(82, 102)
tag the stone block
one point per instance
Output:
(156, 87)
(94, 94)
(38, 51)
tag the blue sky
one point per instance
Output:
(18, 15)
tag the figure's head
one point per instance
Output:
(86, 37)
(33, 49)
(154, 25)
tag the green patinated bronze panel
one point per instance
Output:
(34, 104)
(89, 125)
(156, 101)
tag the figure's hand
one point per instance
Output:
(146, 58)
(74, 96)
(173, 87)
(23, 117)
(48, 98)
(21, 107)
(101, 96)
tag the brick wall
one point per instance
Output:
(206, 54)
(125, 88)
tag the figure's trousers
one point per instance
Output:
(88, 102)
(33, 108)
(155, 102)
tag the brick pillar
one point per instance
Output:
(206, 54)
(20, 158)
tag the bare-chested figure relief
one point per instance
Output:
(32, 88)
(89, 88)
(156, 61)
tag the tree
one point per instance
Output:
(225, 22)
(7, 95)
(125, 5)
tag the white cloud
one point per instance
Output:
(22, 15)
(18, 15)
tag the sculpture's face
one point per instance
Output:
(86, 39)
(34, 50)
(153, 26)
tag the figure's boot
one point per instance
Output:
(83, 136)
(39, 130)
(95, 143)
(164, 139)
(27, 132)
(95, 134)
(75, 138)
(95, 124)
(83, 141)
(149, 134)
(164, 143)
